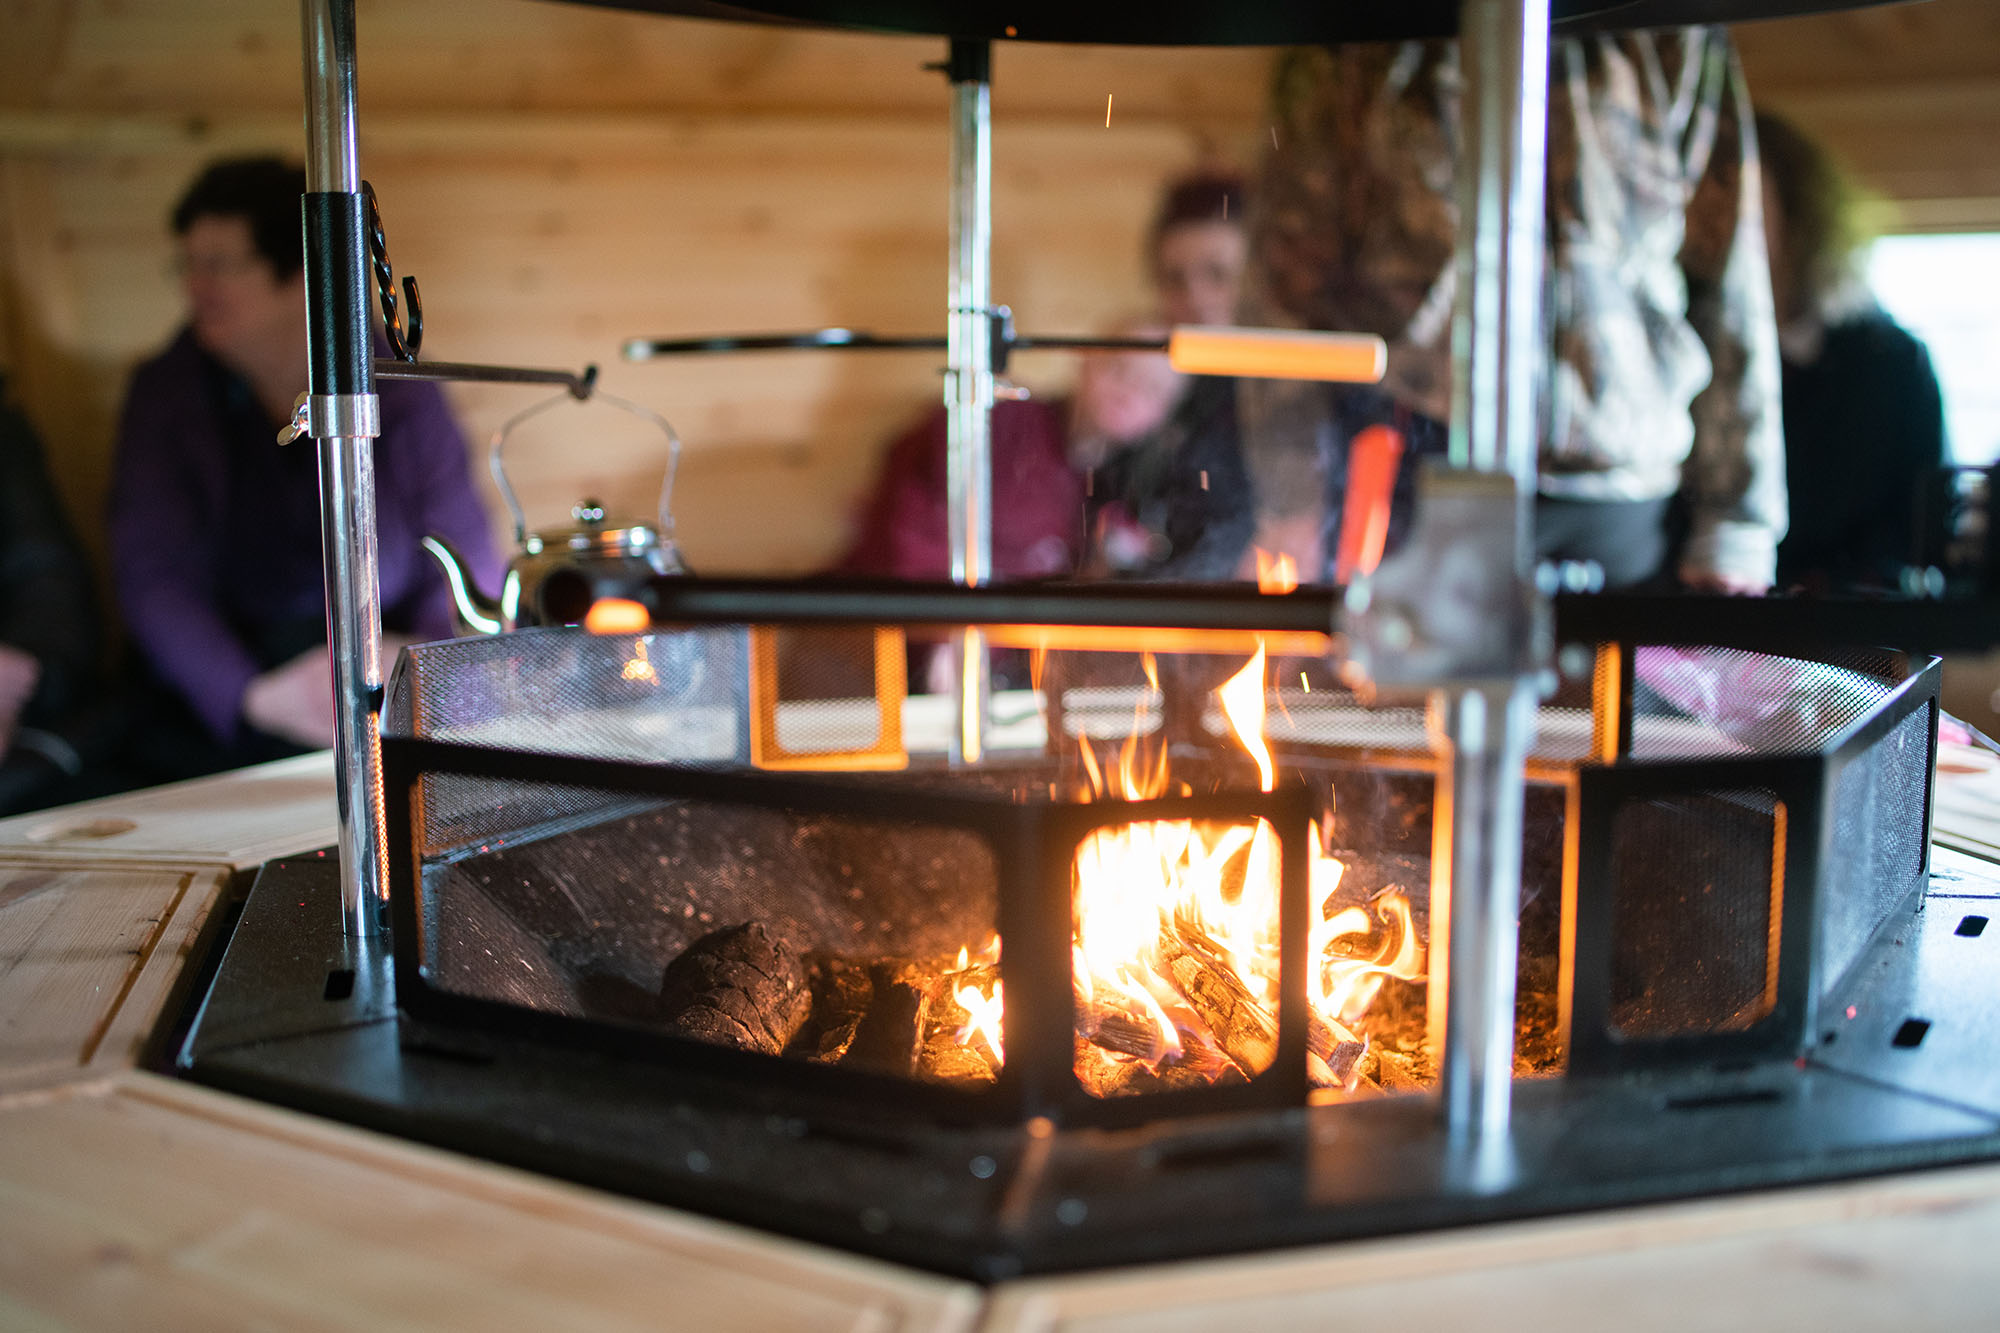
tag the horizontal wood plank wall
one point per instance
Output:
(560, 178)
(1907, 95)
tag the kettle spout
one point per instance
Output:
(475, 612)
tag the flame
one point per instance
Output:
(1165, 911)
(1276, 572)
(1343, 985)
(1242, 698)
(983, 1010)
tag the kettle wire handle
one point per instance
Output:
(497, 465)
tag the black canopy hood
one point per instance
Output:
(1207, 22)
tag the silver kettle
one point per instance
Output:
(555, 574)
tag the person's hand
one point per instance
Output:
(20, 672)
(294, 702)
(1727, 585)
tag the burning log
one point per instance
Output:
(842, 991)
(1333, 1054)
(1246, 1031)
(739, 987)
(1243, 1026)
(946, 1058)
(1118, 1031)
(890, 1036)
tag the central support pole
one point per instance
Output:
(344, 415)
(1487, 726)
(969, 379)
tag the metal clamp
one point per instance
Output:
(328, 416)
(1452, 608)
(347, 416)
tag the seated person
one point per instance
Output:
(1153, 451)
(1864, 418)
(52, 719)
(1037, 500)
(215, 529)
(1662, 373)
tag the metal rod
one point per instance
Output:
(1479, 849)
(343, 418)
(969, 379)
(1486, 728)
(580, 384)
(1504, 58)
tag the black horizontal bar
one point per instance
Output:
(436, 372)
(1781, 624)
(883, 602)
(853, 340)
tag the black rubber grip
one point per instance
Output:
(341, 354)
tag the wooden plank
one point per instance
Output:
(1904, 1251)
(239, 819)
(88, 958)
(514, 54)
(147, 1203)
(37, 39)
(553, 255)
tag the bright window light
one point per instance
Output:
(1946, 290)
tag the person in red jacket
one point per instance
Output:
(1117, 451)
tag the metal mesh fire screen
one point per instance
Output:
(1171, 879)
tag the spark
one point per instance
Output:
(1274, 138)
(1204, 478)
(1306, 684)
(1107, 111)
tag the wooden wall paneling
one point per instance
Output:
(1906, 43)
(1907, 96)
(37, 40)
(518, 54)
(561, 177)
(147, 1203)
(89, 954)
(762, 223)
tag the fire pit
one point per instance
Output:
(710, 913)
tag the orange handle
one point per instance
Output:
(1373, 458)
(1278, 354)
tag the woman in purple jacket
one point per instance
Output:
(215, 529)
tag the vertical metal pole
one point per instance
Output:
(1487, 728)
(969, 351)
(343, 415)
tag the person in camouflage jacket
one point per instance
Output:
(1662, 368)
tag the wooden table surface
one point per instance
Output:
(129, 1200)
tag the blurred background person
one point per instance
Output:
(1864, 418)
(1136, 473)
(57, 730)
(1169, 495)
(215, 529)
(1662, 358)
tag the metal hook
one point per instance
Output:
(404, 340)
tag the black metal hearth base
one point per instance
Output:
(1906, 1075)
